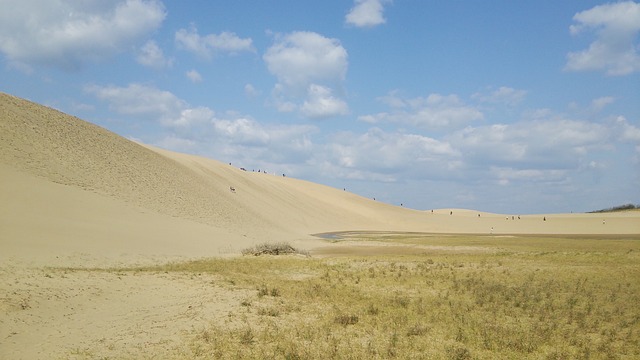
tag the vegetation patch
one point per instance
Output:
(281, 248)
(532, 298)
(617, 208)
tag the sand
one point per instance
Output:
(73, 194)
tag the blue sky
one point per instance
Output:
(502, 106)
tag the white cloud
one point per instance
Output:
(615, 49)
(251, 91)
(502, 95)
(302, 58)
(307, 66)
(505, 175)
(383, 155)
(137, 99)
(628, 132)
(552, 143)
(366, 13)
(152, 56)
(227, 136)
(67, 34)
(242, 131)
(601, 102)
(176, 143)
(205, 46)
(434, 112)
(151, 103)
(194, 76)
(192, 116)
(321, 103)
(282, 148)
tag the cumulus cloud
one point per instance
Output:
(615, 49)
(433, 112)
(199, 129)
(246, 131)
(151, 103)
(151, 55)
(138, 99)
(502, 95)
(554, 143)
(627, 131)
(321, 103)
(302, 58)
(277, 147)
(308, 66)
(384, 156)
(205, 46)
(67, 34)
(601, 102)
(194, 76)
(366, 13)
(191, 116)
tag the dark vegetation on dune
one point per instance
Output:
(617, 208)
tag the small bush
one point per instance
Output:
(263, 290)
(281, 248)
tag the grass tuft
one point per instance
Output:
(345, 320)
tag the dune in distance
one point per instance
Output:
(71, 187)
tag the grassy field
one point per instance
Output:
(420, 296)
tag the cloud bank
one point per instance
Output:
(68, 34)
(615, 48)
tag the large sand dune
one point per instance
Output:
(71, 187)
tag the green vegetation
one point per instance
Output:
(452, 297)
(618, 208)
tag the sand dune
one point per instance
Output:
(71, 186)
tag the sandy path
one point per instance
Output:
(57, 314)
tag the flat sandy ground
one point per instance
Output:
(73, 195)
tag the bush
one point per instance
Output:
(281, 248)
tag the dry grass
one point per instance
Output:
(527, 298)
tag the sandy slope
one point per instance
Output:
(74, 194)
